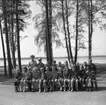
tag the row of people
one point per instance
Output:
(56, 77)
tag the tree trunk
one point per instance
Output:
(18, 37)
(47, 51)
(4, 56)
(91, 14)
(12, 32)
(48, 34)
(9, 33)
(76, 40)
(13, 49)
(7, 39)
(64, 27)
(89, 32)
(69, 39)
(50, 29)
(47, 38)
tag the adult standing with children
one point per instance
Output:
(32, 63)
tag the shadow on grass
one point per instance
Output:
(101, 89)
(6, 80)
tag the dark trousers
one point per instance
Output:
(16, 84)
(49, 84)
(29, 85)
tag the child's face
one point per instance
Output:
(60, 69)
(17, 71)
(53, 63)
(40, 60)
(80, 67)
(85, 63)
(42, 69)
(59, 63)
(77, 64)
(25, 70)
(66, 63)
(32, 58)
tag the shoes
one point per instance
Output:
(23, 90)
(71, 90)
(16, 89)
(61, 89)
(39, 90)
(77, 89)
(68, 89)
(44, 90)
(87, 90)
(33, 90)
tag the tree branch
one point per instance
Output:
(99, 9)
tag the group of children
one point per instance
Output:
(41, 77)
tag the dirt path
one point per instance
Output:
(9, 97)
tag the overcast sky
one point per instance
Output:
(28, 46)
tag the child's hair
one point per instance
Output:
(25, 69)
(32, 56)
(17, 68)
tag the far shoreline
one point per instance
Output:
(97, 64)
(61, 57)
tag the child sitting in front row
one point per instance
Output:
(23, 82)
(18, 76)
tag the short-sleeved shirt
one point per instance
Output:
(54, 66)
(32, 64)
(29, 75)
(25, 75)
(93, 68)
(48, 75)
(36, 73)
(55, 74)
(66, 73)
(85, 67)
(40, 65)
(18, 76)
(60, 72)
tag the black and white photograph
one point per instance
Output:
(52, 52)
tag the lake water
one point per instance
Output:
(96, 59)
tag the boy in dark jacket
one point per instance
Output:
(23, 82)
(18, 76)
(29, 79)
(48, 74)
